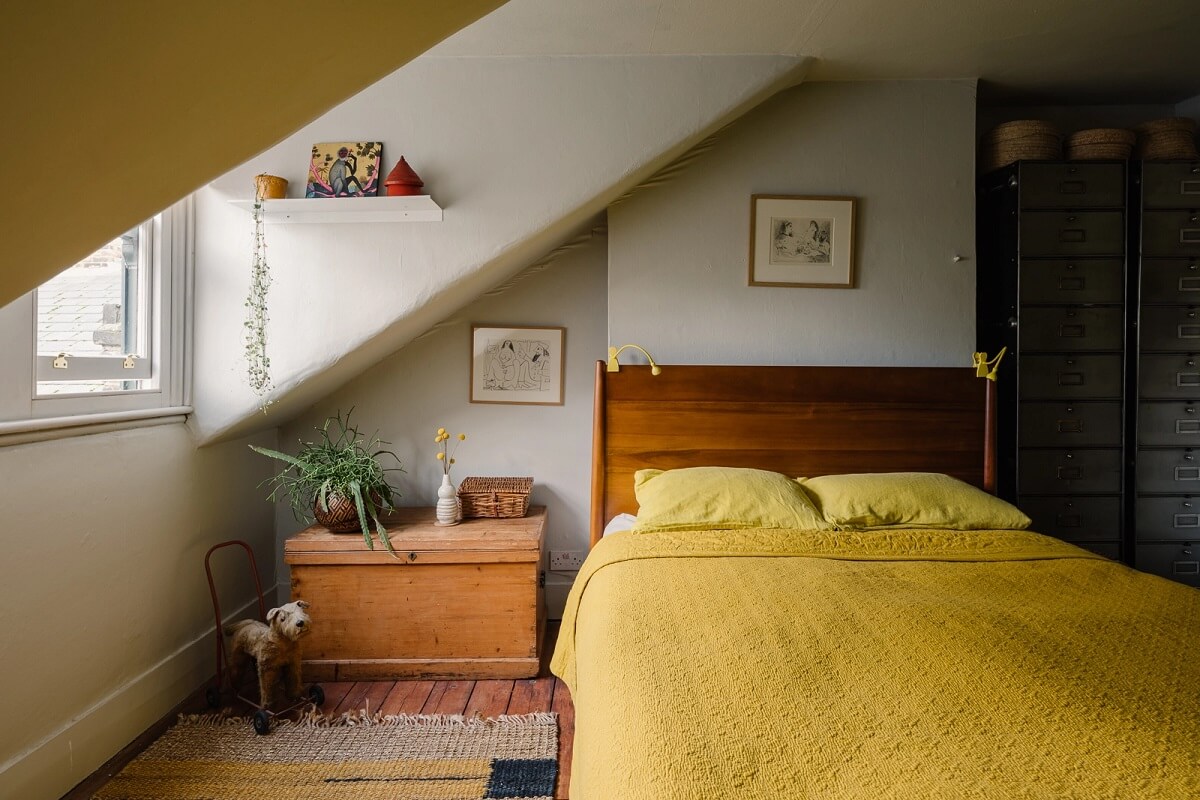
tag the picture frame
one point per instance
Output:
(802, 241)
(518, 364)
(344, 169)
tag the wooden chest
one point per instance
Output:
(456, 602)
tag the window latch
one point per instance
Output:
(128, 362)
(60, 361)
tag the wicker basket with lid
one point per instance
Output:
(495, 497)
(1172, 137)
(1100, 143)
(1022, 139)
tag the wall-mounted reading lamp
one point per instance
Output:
(613, 352)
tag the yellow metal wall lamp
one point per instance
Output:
(613, 352)
(985, 368)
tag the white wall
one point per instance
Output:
(678, 252)
(413, 392)
(519, 151)
(104, 607)
(1189, 107)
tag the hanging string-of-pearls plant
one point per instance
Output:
(258, 364)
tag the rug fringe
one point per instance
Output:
(315, 719)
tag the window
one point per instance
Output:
(94, 321)
(108, 332)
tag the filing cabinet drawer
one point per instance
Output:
(1107, 549)
(1072, 329)
(1173, 329)
(1073, 233)
(1168, 518)
(1179, 562)
(1075, 518)
(1071, 377)
(1171, 184)
(1170, 377)
(1073, 281)
(1072, 185)
(1067, 425)
(1175, 281)
(1069, 472)
(1169, 424)
(1168, 471)
(1171, 233)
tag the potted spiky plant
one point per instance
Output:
(338, 480)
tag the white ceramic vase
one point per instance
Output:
(449, 512)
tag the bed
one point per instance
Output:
(838, 662)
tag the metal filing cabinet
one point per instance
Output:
(1166, 375)
(1052, 284)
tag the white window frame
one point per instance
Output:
(111, 368)
(169, 276)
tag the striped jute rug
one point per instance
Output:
(346, 758)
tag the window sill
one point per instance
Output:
(40, 430)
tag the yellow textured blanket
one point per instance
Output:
(898, 664)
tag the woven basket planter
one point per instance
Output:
(342, 516)
(496, 498)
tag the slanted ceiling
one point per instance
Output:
(116, 109)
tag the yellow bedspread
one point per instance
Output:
(898, 664)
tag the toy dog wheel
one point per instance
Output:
(262, 723)
(316, 694)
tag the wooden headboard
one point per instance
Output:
(801, 421)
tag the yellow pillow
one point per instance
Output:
(721, 498)
(910, 500)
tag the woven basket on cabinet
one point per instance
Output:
(495, 497)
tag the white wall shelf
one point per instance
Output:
(418, 208)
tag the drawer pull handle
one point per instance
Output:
(1071, 473)
(1187, 473)
(1188, 331)
(1189, 410)
(1077, 331)
(1073, 426)
(1187, 520)
(1187, 236)
(1187, 426)
(1189, 284)
(1189, 187)
(1077, 235)
(1068, 521)
(1187, 378)
(1072, 187)
(1070, 379)
(1186, 567)
(1076, 284)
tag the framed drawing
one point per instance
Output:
(344, 169)
(517, 364)
(802, 241)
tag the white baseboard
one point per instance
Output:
(53, 766)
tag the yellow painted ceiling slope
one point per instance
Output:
(114, 110)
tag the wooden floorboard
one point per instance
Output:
(529, 696)
(565, 708)
(487, 698)
(407, 697)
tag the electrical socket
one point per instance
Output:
(566, 560)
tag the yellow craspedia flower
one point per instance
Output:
(441, 456)
(452, 461)
(441, 431)
(437, 440)
(462, 437)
